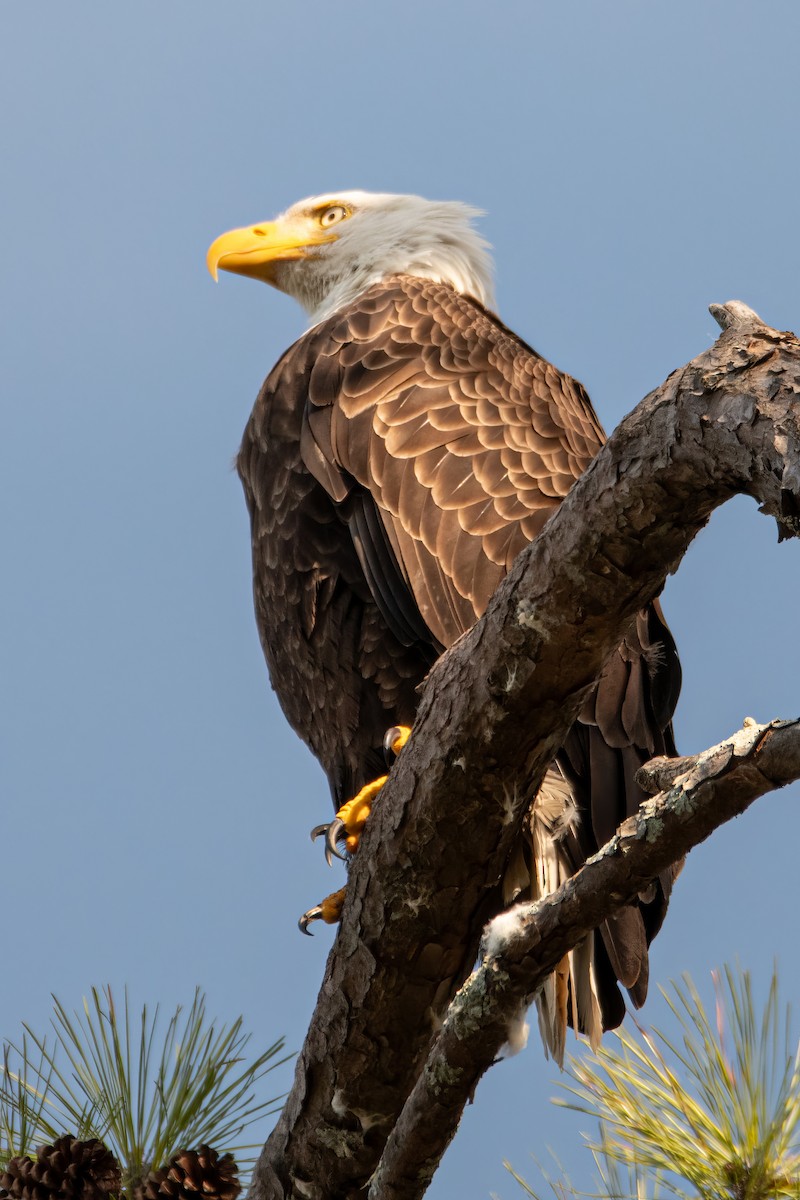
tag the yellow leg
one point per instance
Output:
(353, 815)
(351, 818)
(347, 827)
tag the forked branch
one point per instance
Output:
(494, 710)
(522, 946)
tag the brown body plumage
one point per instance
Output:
(398, 458)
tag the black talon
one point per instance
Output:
(313, 914)
(333, 832)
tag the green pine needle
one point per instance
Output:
(613, 1182)
(715, 1110)
(107, 1075)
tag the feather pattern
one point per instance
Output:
(398, 458)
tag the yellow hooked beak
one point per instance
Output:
(255, 249)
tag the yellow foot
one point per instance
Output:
(347, 825)
(351, 818)
(329, 911)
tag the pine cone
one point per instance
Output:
(193, 1173)
(68, 1170)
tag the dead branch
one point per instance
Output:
(494, 710)
(522, 946)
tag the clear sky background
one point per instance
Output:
(636, 162)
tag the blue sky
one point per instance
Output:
(636, 162)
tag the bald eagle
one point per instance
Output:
(398, 458)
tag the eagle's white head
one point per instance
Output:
(328, 249)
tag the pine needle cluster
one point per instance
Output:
(106, 1074)
(713, 1113)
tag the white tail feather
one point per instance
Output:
(552, 816)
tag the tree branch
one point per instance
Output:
(494, 710)
(522, 946)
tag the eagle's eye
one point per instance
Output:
(332, 215)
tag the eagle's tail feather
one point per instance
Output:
(580, 990)
(586, 1012)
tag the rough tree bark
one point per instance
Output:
(493, 711)
(522, 946)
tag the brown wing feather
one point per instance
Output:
(426, 446)
(464, 438)
(341, 673)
